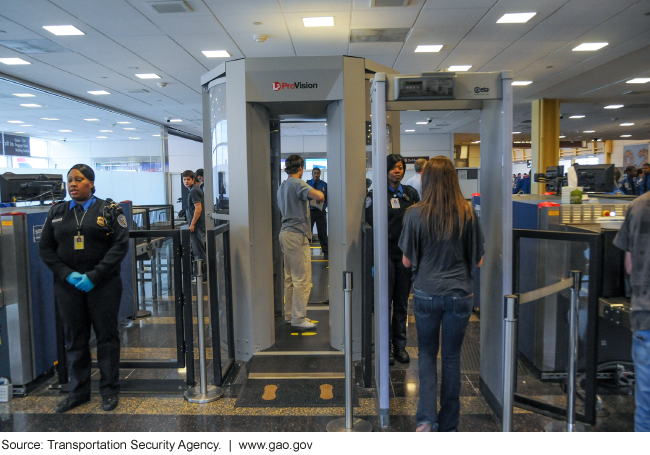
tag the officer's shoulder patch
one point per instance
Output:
(121, 220)
(368, 201)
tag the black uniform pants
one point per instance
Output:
(79, 311)
(399, 288)
(197, 240)
(320, 218)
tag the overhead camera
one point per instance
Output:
(168, 119)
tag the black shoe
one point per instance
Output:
(70, 403)
(391, 357)
(402, 356)
(109, 403)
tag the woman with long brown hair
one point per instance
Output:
(442, 241)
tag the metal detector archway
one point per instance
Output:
(492, 94)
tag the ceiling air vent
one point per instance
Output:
(34, 46)
(378, 35)
(388, 3)
(170, 6)
(637, 106)
(136, 90)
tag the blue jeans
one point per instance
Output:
(641, 357)
(452, 312)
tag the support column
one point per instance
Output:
(609, 148)
(545, 138)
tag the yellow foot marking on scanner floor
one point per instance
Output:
(295, 333)
(326, 391)
(308, 334)
(269, 392)
(315, 322)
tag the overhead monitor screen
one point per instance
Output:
(425, 87)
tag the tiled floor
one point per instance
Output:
(154, 337)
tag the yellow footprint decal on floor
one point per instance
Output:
(308, 334)
(269, 392)
(326, 391)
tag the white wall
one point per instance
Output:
(425, 145)
(184, 154)
(301, 145)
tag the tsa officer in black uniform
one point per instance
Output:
(84, 242)
(399, 199)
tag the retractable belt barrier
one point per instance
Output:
(510, 318)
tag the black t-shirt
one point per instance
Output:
(441, 266)
(196, 195)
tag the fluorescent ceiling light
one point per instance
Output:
(476, 142)
(45, 118)
(156, 135)
(562, 137)
(213, 54)
(175, 120)
(123, 123)
(130, 129)
(102, 137)
(91, 119)
(23, 95)
(63, 30)
(14, 121)
(14, 61)
(19, 132)
(577, 116)
(134, 138)
(589, 131)
(459, 67)
(590, 46)
(614, 106)
(639, 80)
(31, 105)
(522, 82)
(105, 131)
(516, 132)
(421, 123)
(515, 18)
(428, 48)
(26, 125)
(65, 131)
(325, 21)
(626, 135)
(98, 92)
(408, 131)
(148, 76)
(627, 124)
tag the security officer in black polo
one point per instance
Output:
(84, 242)
(399, 198)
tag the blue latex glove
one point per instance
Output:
(84, 284)
(74, 278)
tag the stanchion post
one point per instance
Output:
(204, 393)
(510, 315)
(349, 423)
(573, 351)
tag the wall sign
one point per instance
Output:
(413, 159)
(15, 145)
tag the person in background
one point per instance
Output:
(368, 184)
(416, 180)
(295, 235)
(317, 214)
(628, 184)
(617, 177)
(518, 178)
(399, 198)
(83, 243)
(196, 219)
(523, 186)
(634, 238)
(442, 241)
(643, 182)
(198, 175)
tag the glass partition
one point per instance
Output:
(219, 128)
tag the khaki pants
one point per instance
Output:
(297, 275)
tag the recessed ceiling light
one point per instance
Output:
(639, 80)
(91, 119)
(63, 30)
(626, 124)
(522, 82)
(45, 118)
(14, 61)
(65, 131)
(408, 131)
(428, 48)
(577, 116)
(31, 105)
(156, 135)
(515, 18)
(614, 106)
(175, 120)
(626, 135)
(98, 92)
(148, 76)
(590, 46)
(23, 95)
(105, 131)
(14, 121)
(421, 123)
(325, 21)
(102, 137)
(589, 131)
(562, 137)
(476, 142)
(26, 125)
(134, 138)
(19, 132)
(459, 67)
(516, 132)
(130, 129)
(213, 54)
(123, 123)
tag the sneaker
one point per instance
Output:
(304, 325)
(288, 321)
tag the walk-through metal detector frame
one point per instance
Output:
(492, 94)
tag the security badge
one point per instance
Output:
(101, 221)
(121, 220)
(394, 202)
(78, 242)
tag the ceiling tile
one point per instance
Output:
(381, 18)
(363, 49)
(304, 6)
(271, 22)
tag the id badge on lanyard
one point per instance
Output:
(78, 242)
(394, 203)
